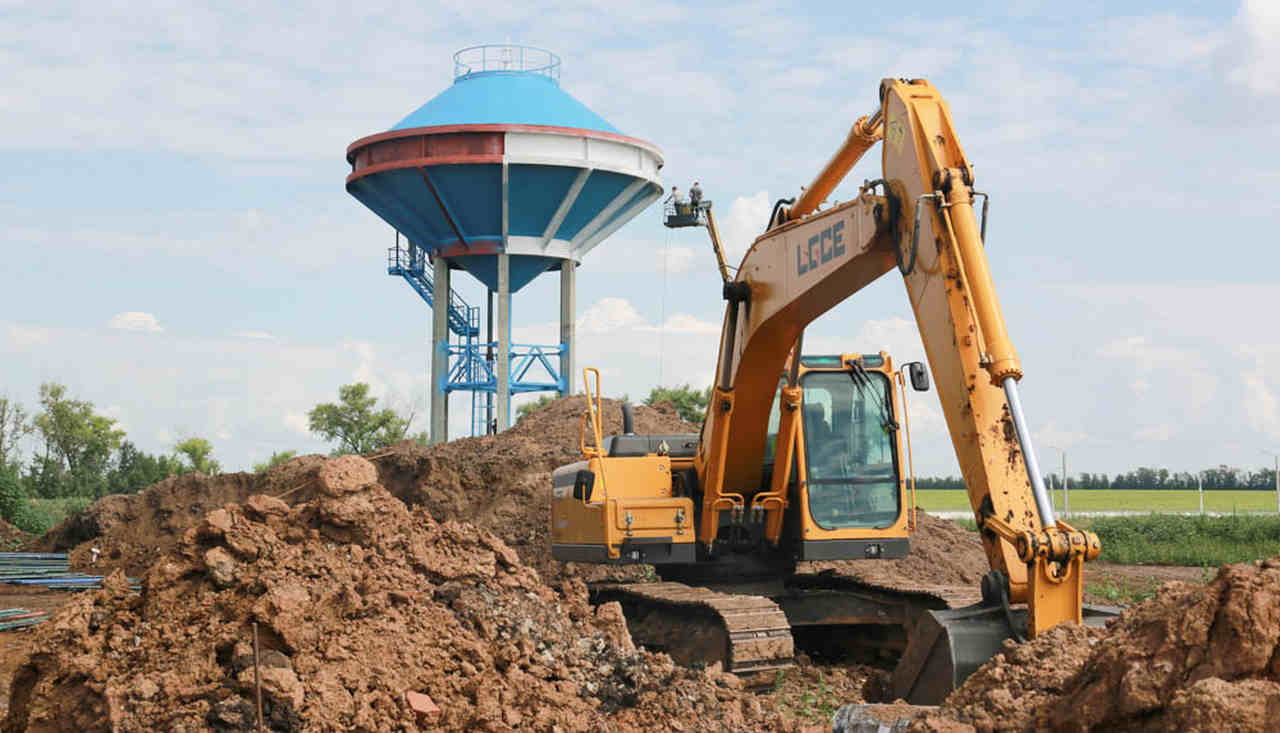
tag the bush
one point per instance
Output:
(1177, 539)
(13, 497)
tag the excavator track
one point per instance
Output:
(748, 633)
(745, 633)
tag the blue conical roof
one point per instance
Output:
(504, 97)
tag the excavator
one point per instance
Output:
(807, 458)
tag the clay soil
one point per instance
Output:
(358, 600)
(427, 569)
(501, 483)
(942, 554)
(12, 538)
(1194, 657)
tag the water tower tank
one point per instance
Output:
(506, 176)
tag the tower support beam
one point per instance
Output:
(568, 298)
(504, 343)
(439, 351)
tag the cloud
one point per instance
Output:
(684, 323)
(607, 315)
(255, 335)
(745, 221)
(1258, 67)
(677, 259)
(135, 321)
(22, 337)
(297, 423)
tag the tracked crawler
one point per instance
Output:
(808, 457)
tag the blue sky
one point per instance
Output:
(179, 248)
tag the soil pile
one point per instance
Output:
(942, 554)
(11, 538)
(499, 482)
(503, 482)
(359, 602)
(132, 530)
(1198, 657)
(557, 425)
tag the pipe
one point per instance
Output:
(1029, 454)
(628, 420)
(864, 133)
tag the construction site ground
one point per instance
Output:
(427, 571)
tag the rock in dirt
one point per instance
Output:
(358, 600)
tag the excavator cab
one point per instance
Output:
(851, 474)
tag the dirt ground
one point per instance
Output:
(12, 538)
(15, 644)
(427, 570)
(1196, 656)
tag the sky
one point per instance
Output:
(179, 248)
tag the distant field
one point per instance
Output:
(1086, 500)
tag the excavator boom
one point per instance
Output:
(923, 223)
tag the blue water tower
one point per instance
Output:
(506, 176)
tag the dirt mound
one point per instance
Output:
(132, 530)
(942, 553)
(358, 600)
(557, 425)
(503, 482)
(500, 482)
(1200, 657)
(11, 537)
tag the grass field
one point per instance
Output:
(1106, 500)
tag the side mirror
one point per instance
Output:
(919, 376)
(583, 483)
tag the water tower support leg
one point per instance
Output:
(488, 339)
(439, 350)
(504, 343)
(568, 298)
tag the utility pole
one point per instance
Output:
(1276, 476)
(1065, 509)
(1200, 489)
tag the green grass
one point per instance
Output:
(1177, 539)
(1110, 500)
(1157, 539)
(44, 513)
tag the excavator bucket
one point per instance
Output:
(945, 647)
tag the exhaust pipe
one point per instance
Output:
(628, 420)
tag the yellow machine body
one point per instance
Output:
(631, 499)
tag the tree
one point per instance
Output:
(13, 498)
(135, 470)
(690, 404)
(354, 423)
(537, 404)
(78, 444)
(275, 460)
(197, 452)
(15, 424)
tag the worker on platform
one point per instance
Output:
(695, 195)
(677, 201)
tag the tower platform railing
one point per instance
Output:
(506, 57)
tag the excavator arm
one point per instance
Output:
(919, 219)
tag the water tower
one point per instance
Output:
(506, 176)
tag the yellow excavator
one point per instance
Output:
(805, 458)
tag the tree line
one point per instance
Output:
(66, 450)
(1219, 478)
